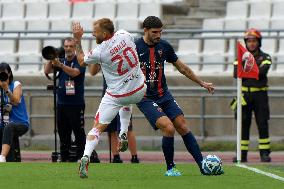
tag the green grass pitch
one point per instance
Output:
(128, 176)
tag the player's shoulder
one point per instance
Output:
(123, 33)
(165, 43)
(139, 41)
(265, 56)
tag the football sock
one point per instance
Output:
(125, 114)
(90, 146)
(193, 148)
(168, 150)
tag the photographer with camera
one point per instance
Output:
(70, 94)
(14, 117)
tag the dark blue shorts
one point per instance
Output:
(115, 125)
(154, 108)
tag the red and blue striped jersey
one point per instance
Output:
(152, 60)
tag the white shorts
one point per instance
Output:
(111, 105)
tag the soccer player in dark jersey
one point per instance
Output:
(158, 105)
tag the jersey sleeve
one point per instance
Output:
(93, 57)
(171, 55)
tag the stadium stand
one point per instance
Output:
(210, 53)
(47, 15)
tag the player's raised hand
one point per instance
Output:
(209, 86)
(77, 30)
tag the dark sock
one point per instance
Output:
(193, 148)
(116, 156)
(134, 157)
(168, 150)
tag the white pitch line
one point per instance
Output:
(261, 172)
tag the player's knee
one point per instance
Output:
(170, 130)
(182, 129)
(93, 134)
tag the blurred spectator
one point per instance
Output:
(71, 102)
(15, 121)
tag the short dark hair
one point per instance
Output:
(106, 24)
(3, 67)
(152, 22)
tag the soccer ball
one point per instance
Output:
(212, 165)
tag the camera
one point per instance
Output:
(3, 76)
(50, 52)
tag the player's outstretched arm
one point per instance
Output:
(77, 34)
(186, 71)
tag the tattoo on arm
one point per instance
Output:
(79, 48)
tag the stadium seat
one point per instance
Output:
(86, 45)
(24, 66)
(209, 63)
(15, 26)
(128, 24)
(52, 42)
(87, 24)
(152, 8)
(29, 52)
(277, 24)
(213, 52)
(189, 52)
(235, 24)
(10, 59)
(277, 10)
(37, 25)
(260, 9)
(269, 45)
(237, 10)
(213, 24)
(279, 56)
(189, 46)
(192, 60)
(12, 10)
(61, 25)
(83, 10)
(260, 24)
(36, 10)
(59, 10)
(7, 51)
(101, 7)
(127, 9)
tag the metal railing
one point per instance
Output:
(191, 92)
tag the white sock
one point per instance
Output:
(2, 159)
(91, 144)
(125, 115)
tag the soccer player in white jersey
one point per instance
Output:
(116, 55)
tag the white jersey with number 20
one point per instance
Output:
(119, 62)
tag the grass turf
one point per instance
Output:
(64, 175)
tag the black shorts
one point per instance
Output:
(155, 108)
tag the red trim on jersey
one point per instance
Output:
(126, 94)
(160, 89)
(152, 62)
(97, 117)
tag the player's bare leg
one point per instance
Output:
(91, 142)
